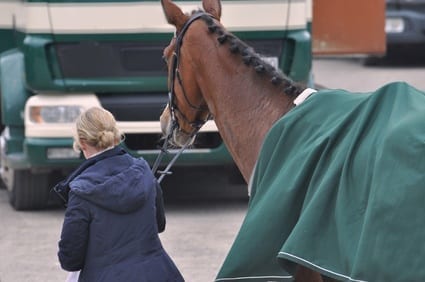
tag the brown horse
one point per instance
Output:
(242, 89)
(214, 74)
(255, 92)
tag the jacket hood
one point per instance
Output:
(119, 183)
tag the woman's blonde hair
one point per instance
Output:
(98, 128)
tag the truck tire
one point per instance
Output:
(29, 191)
(1, 117)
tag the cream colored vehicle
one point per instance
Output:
(62, 57)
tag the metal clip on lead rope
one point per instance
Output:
(164, 151)
(167, 171)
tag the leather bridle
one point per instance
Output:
(196, 124)
(175, 75)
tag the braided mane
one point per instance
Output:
(253, 59)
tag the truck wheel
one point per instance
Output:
(29, 191)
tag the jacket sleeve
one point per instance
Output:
(74, 235)
(160, 213)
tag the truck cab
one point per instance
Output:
(60, 57)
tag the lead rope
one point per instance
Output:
(163, 152)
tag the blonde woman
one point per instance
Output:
(113, 215)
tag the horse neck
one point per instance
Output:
(244, 104)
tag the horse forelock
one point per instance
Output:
(251, 58)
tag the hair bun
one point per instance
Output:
(98, 128)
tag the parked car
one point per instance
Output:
(405, 33)
(405, 26)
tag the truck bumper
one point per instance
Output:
(37, 155)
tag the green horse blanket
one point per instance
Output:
(339, 187)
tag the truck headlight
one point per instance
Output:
(54, 114)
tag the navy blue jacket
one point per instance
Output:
(110, 231)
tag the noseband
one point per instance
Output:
(175, 74)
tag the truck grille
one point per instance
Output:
(97, 59)
(134, 106)
(138, 142)
(148, 107)
(94, 59)
(100, 59)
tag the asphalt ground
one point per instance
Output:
(200, 226)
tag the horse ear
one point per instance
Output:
(173, 14)
(212, 7)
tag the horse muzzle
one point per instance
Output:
(172, 132)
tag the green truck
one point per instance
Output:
(60, 57)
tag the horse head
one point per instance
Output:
(186, 110)
(212, 73)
